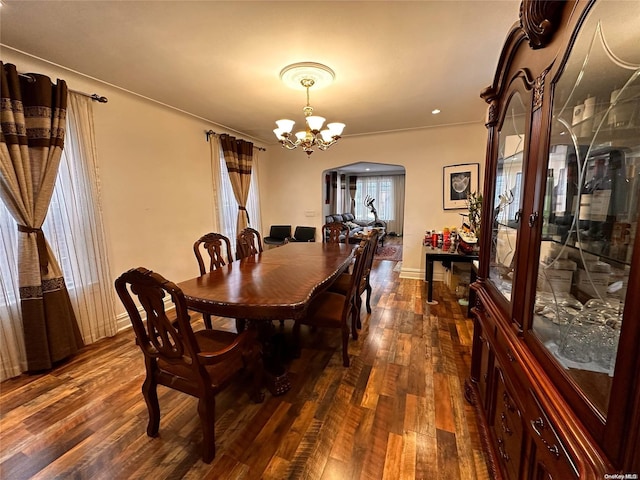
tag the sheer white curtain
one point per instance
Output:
(388, 191)
(397, 224)
(13, 359)
(226, 206)
(74, 230)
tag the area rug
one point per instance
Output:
(389, 252)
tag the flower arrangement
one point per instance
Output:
(474, 206)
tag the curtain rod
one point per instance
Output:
(208, 133)
(93, 96)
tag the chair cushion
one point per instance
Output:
(348, 217)
(210, 341)
(273, 240)
(343, 282)
(325, 310)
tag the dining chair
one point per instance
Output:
(248, 243)
(217, 246)
(334, 232)
(219, 249)
(278, 235)
(304, 234)
(331, 309)
(343, 282)
(199, 363)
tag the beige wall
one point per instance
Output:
(155, 176)
(295, 183)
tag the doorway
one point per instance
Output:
(358, 187)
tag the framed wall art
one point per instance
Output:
(457, 182)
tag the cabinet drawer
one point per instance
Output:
(509, 360)
(550, 454)
(508, 427)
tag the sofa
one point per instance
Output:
(349, 220)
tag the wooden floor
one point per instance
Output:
(398, 412)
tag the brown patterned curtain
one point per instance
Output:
(33, 116)
(333, 205)
(352, 192)
(238, 155)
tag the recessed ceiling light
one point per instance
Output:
(436, 111)
(367, 169)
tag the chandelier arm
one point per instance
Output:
(288, 143)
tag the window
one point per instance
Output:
(229, 205)
(73, 228)
(388, 192)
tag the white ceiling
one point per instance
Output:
(395, 61)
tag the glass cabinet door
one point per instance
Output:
(590, 215)
(508, 196)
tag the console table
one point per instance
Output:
(437, 254)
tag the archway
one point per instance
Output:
(348, 189)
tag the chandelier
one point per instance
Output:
(306, 75)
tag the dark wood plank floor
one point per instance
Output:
(397, 413)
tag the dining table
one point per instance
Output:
(276, 284)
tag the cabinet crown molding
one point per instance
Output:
(540, 19)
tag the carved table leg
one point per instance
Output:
(274, 355)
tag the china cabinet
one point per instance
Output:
(555, 372)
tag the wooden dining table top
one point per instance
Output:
(279, 283)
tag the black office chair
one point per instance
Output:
(278, 235)
(304, 234)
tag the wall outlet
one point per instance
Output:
(310, 213)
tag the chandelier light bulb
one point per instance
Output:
(285, 125)
(315, 122)
(301, 135)
(326, 135)
(336, 128)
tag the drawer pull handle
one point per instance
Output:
(555, 451)
(538, 425)
(510, 356)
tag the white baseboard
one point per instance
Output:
(418, 274)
